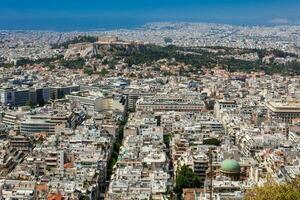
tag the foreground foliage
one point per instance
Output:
(274, 191)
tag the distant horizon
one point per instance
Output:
(72, 15)
(83, 27)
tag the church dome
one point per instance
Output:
(230, 166)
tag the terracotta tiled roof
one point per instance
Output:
(41, 187)
(68, 165)
(56, 196)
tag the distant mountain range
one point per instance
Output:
(294, 20)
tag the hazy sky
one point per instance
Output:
(51, 13)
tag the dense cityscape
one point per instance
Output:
(37, 44)
(189, 111)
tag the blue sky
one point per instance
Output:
(98, 13)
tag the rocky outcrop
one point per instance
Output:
(88, 50)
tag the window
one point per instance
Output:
(9, 96)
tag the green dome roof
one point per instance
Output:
(230, 166)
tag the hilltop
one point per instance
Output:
(93, 54)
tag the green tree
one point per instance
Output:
(98, 56)
(186, 178)
(6, 65)
(88, 71)
(168, 40)
(212, 141)
(167, 139)
(275, 191)
(117, 146)
(51, 67)
(103, 72)
(79, 63)
(30, 104)
(156, 68)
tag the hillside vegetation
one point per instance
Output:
(232, 59)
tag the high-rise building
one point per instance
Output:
(21, 97)
(7, 96)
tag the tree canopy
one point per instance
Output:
(186, 178)
(212, 141)
(275, 191)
